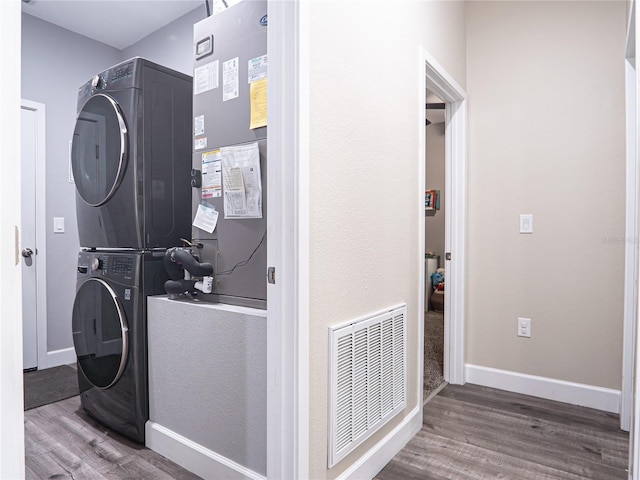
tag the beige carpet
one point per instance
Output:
(433, 351)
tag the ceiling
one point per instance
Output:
(118, 23)
(121, 23)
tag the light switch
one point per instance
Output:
(58, 224)
(526, 223)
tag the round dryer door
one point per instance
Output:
(99, 333)
(99, 149)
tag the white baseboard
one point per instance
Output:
(193, 456)
(382, 452)
(568, 392)
(64, 356)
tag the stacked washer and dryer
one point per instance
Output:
(131, 162)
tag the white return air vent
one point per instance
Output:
(368, 365)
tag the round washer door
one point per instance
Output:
(99, 149)
(99, 333)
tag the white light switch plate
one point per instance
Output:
(526, 223)
(58, 224)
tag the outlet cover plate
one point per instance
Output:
(524, 327)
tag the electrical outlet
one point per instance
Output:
(524, 327)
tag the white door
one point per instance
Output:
(28, 240)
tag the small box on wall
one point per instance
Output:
(432, 200)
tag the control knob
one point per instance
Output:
(96, 264)
(96, 82)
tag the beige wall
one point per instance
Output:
(364, 173)
(545, 82)
(434, 221)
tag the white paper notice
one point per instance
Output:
(198, 125)
(257, 68)
(205, 77)
(230, 85)
(236, 197)
(242, 181)
(200, 143)
(206, 218)
(211, 174)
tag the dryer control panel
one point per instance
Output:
(118, 77)
(121, 71)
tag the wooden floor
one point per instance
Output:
(469, 432)
(472, 432)
(61, 441)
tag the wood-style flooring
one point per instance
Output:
(469, 432)
(472, 432)
(61, 441)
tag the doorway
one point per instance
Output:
(33, 242)
(442, 85)
(435, 273)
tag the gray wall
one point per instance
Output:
(225, 410)
(55, 62)
(172, 45)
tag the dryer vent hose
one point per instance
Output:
(178, 287)
(176, 259)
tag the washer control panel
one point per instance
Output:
(122, 265)
(115, 266)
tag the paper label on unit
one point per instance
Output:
(205, 77)
(127, 294)
(200, 143)
(242, 181)
(206, 218)
(257, 68)
(230, 84)
(258, 101)
(211, 174)
(198, 125)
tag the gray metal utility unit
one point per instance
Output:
(225, 45)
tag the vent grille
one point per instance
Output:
(367, 378)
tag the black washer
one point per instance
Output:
(100, 333)
(110, 335)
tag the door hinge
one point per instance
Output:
(447, 256)
(271, 274)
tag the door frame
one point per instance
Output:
(288, 241)
(630, 400)
(41, 229)
(434, 77)
(631, 234)
(11, 403)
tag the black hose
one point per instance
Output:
(181, 258)
(177, 287)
